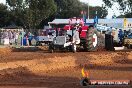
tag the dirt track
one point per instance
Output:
(39, 69)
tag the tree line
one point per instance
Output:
(125, 6)
(34, 14)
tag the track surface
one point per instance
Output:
(32, 68)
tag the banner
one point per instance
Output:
(125, 22)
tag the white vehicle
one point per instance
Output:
(46, 37)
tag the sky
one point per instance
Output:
(111, 11)
(3, 1)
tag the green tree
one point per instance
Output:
(16, 8)
(125, 5)
(30, 13)
(39, 10)
(68, 8)
(101, 11)
(4, 15)
(73, 8)
(15, 4)
(127, 15)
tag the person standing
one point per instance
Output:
(16, 34)
(75, 38)
(10, 33)
(22, 33)
(5, 37)
(120, 35)
(29, 38)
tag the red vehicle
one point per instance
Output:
(87, 34)
(73, 35)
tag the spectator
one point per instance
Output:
(16, 34)
(120, 35)
(29, 38)
(10, 33)
(5, 37)
(22, 33)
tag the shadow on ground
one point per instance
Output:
(114, 68)
(23, 77)
(27, 49)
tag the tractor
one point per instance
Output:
(128, 39)
(123, 38)
(75, 36)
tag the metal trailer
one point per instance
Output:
(46, 37)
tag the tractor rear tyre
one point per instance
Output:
(91, 40)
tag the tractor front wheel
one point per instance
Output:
(51, 48)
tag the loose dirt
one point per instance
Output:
(40, 69)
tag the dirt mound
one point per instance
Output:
(101, 58)
(51, 64)
(130, 55)
(40, 64)
(5, 51)
(111, 58)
